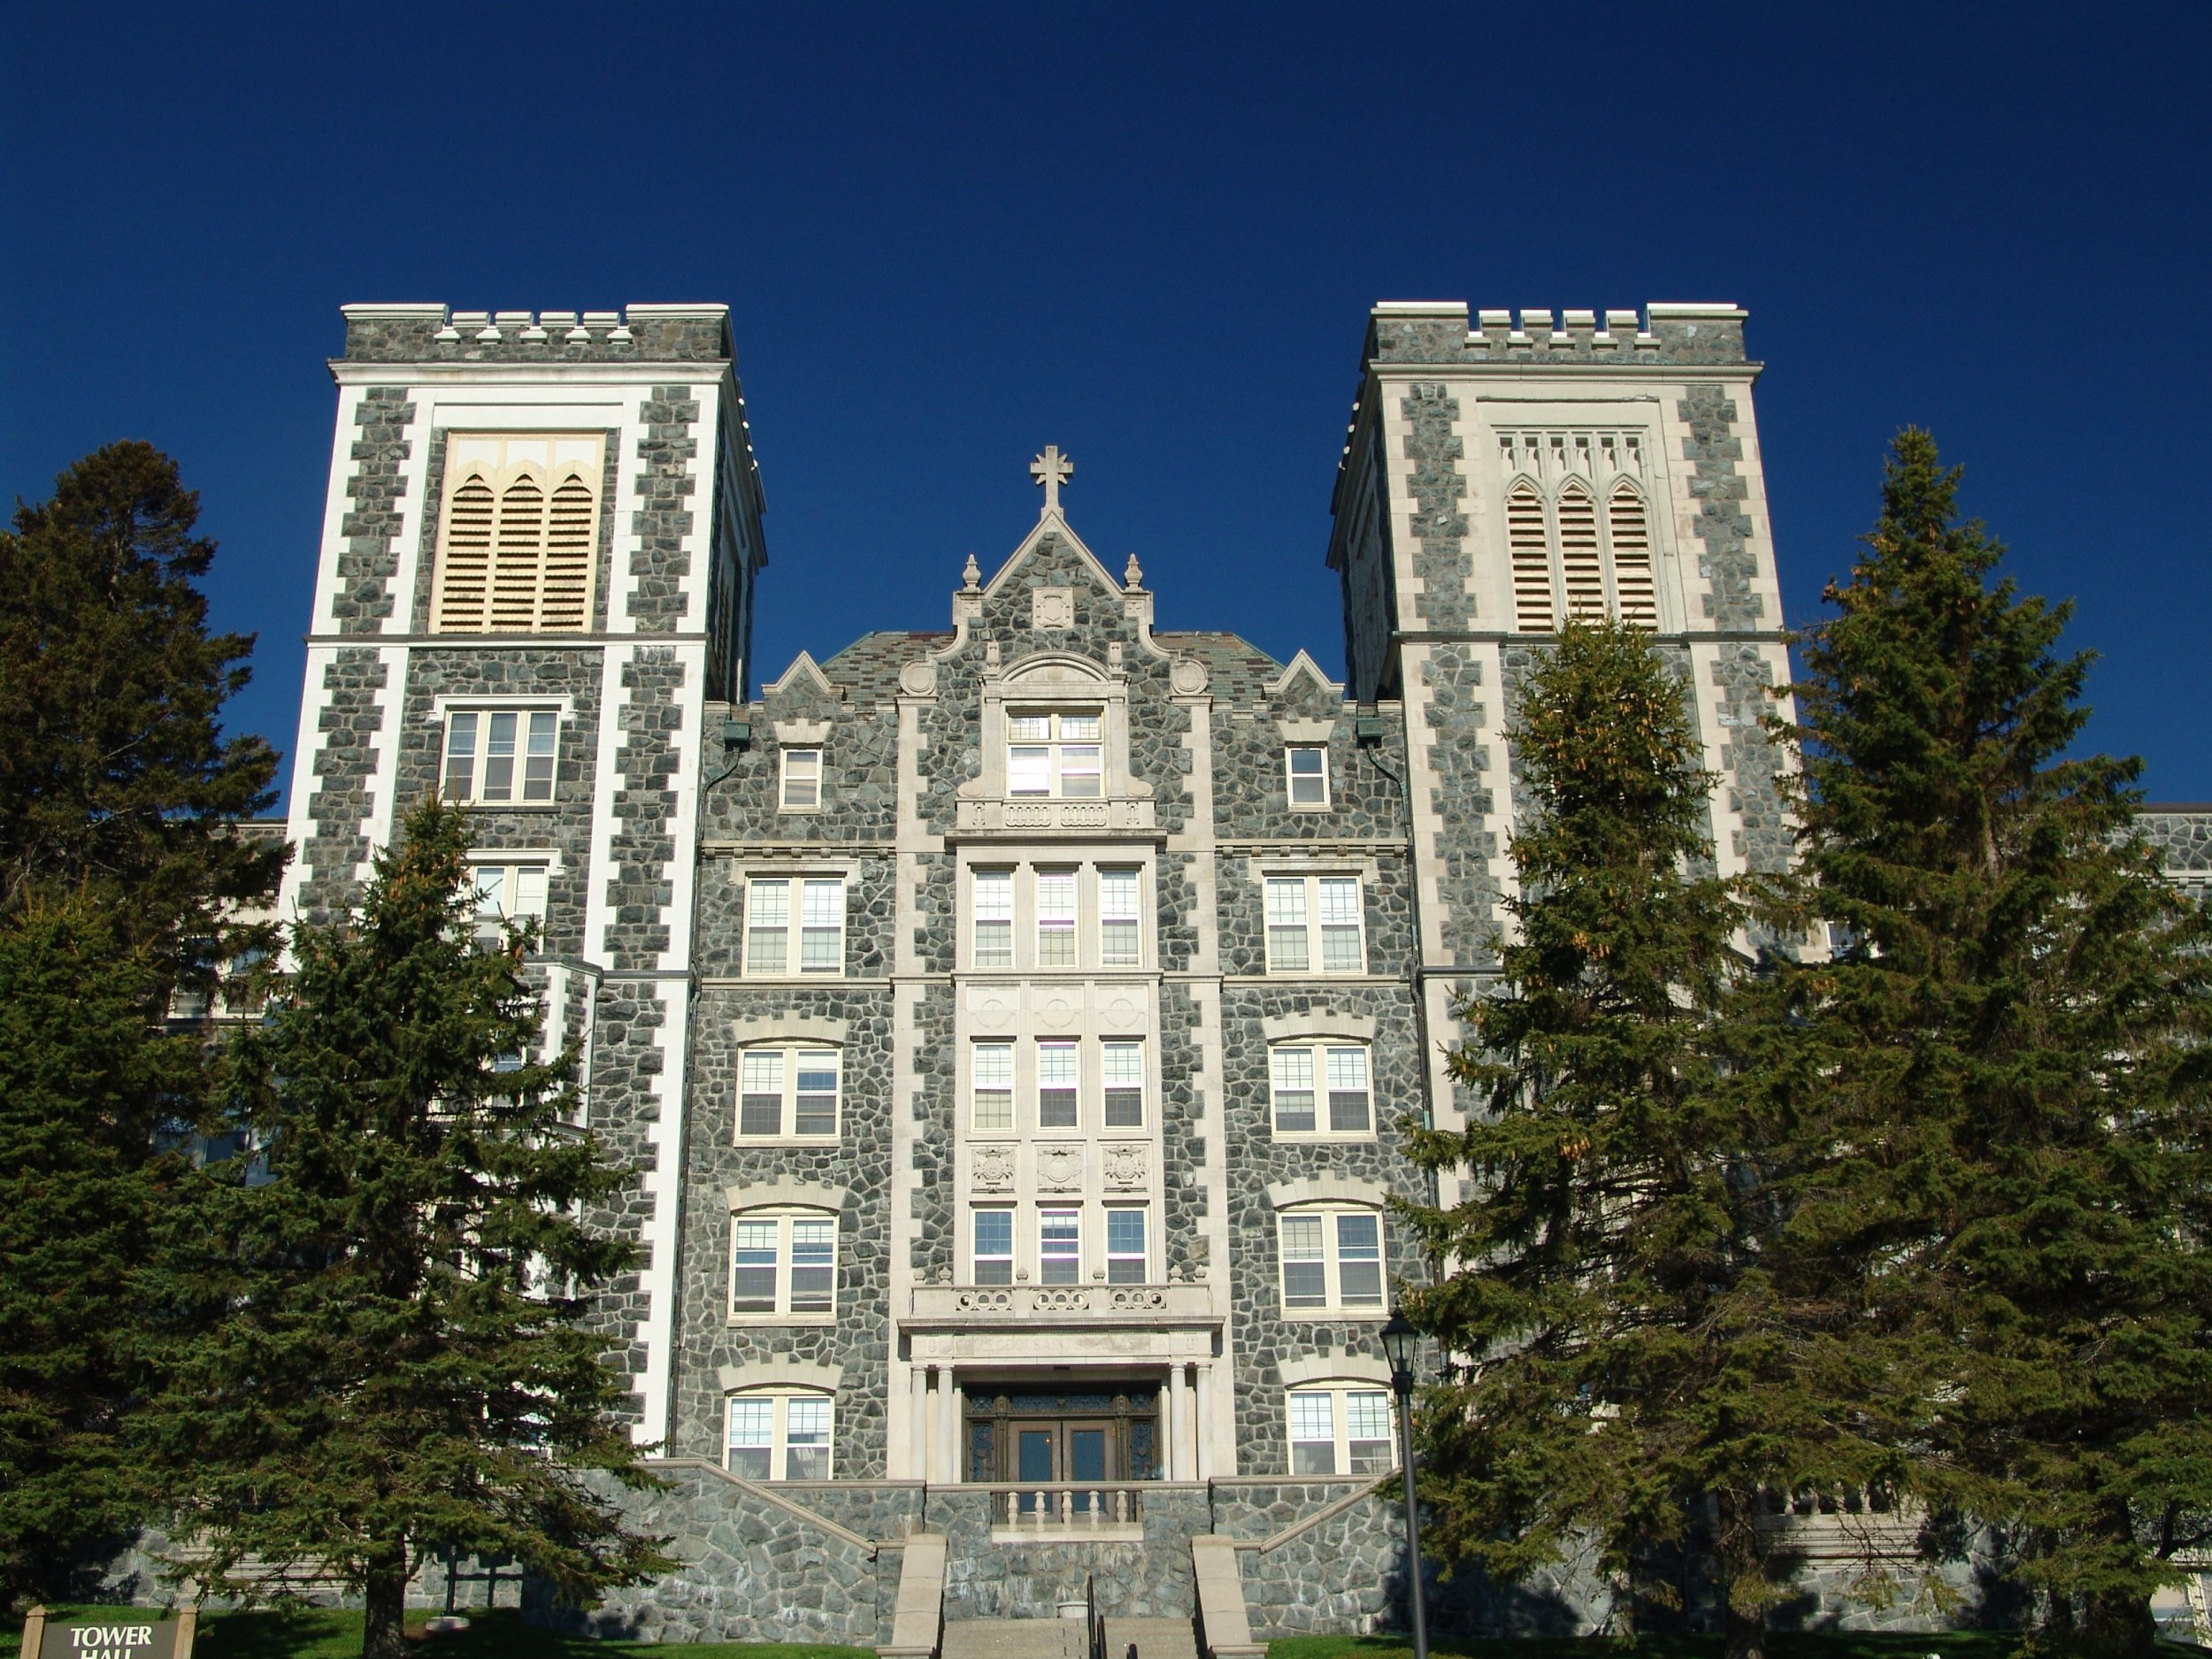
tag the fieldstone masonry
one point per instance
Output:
(667, 803)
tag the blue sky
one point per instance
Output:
(951, 234)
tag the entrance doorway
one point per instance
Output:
(1037, 1438)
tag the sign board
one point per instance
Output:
(122, 1632)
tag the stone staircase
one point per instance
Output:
(1063, 1639)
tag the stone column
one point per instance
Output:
(1205, 1419)
(948, 1427)
(1179, 1450)
(918, 1424)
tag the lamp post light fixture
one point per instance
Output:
(1401, 1342)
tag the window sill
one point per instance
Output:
(506, 806)
(1315, 1316)
(793, 979)
(786, 1140)
(1323, 1137)
(777, 1320)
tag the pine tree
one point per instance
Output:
(1621, 1375)
(402, 1362)
(85, 1079)
(115, 774)
(1999, 1084)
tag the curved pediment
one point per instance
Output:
(1046, 671)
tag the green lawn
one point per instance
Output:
(317, 1634)
(1974, 1645)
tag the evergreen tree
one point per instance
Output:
(114, 772)
(400, 1362)
(85, 1079)
(1620, 1372)
(1999, 1084)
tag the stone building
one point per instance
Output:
(1009, 1020)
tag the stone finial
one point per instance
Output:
(1051, 470)
(971, 577)
(1133, 575)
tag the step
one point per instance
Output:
(1014, 1639)
(1152, 1638)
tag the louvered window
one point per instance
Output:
(1532, 559)
(520, 530)
(1632, 555)
(1579, 552)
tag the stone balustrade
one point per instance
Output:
(1150, 1305)
(1026, 817)
(1065, 1512)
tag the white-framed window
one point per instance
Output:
(1126, 1259)
(1321, 1089)
(500, 756)
(801, 788)
(1060, 1247)
(507, 893)
(783, 1264)
(794, 932)
(518, 533)
(993, 895)
(1056, 919)
(1333, 1260)
(1306, 775)
(1057, 1074)
(1121, 1065)
(1055, 754)
(779, 1436)
(994, 1241)
(1120, 935)
(1315, 925)
(788, 1094)
(990, 1076)
(1341, 1429)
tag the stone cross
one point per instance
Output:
(1052, 469)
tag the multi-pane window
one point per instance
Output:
(500, 756)
(1056, 1084)
(783, 1264)
(507, 893)
(1054, 755)
(1306, 770)
(1056, 919)
(1314, 925)
(993, 1247)
(1122, 1065)
(1125, 1245)
(1303, 1074)
(801, 931)
(1120, 940)
(802, 786)
(992, 1065)
(787, 1092)
(1332, 1260)
(518, 534)
(1340, 1431)
(1060, 1247)
(993, 918)
(779, 1436)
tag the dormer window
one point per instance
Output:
(1054, 756)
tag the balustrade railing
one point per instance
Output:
(1061, 1509)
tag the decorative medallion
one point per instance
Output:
(1060, 1168)
(1188, 677)
(992, 1014)
(1121, 1014)
(918, 679)
(1125, 1164)
(994, 1167)
(1051, 607)
(1058, 1013)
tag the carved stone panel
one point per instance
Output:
(994, 1168)
(1059, 1168)
(1125, 1165)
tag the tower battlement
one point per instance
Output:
(1665, 335)
(636, 334)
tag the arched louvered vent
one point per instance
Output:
(517, 557)
(1532, 559)
(568, 559)
(1579, 552)
(464, 582)
(1631, 535)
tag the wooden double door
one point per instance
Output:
(1063, 1440)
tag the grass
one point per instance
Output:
(1951, 1645)
(332, 1634)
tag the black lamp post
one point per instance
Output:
(1401, 1342)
